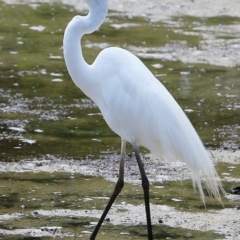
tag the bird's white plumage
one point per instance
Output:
(134, 103)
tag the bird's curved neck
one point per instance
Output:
(78, 69)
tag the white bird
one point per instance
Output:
(136, 106)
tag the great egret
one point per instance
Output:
(136, 106)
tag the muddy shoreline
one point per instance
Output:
(225, 221)
(107, 166)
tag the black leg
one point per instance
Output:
(117, 190)
(145, 185)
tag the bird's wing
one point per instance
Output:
(139, 108)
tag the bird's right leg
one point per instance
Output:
(145, 186)
(117, 190)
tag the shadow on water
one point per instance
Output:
(43, 114)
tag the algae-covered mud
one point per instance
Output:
(58, 158)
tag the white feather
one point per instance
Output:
(141, 110)
(134, 103)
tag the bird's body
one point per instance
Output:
(135, 105)
(140, 109)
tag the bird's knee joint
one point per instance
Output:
(119, 185)
(145, 183)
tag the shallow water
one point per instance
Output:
(27, 194)
(43, 113)
(37, 94)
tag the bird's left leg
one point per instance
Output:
(145, 185)
(117, 190)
